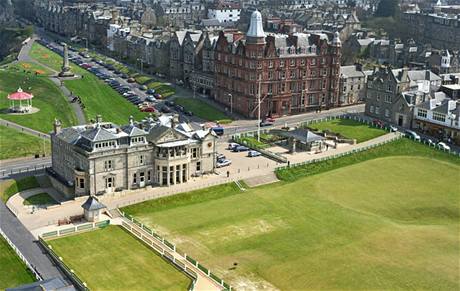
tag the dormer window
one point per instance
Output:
(138, 139)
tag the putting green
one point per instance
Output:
(387, 223)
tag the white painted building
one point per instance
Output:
(225, 12)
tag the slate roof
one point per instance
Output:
(92, 204)
(421, 75)
(98, 134)
(132, 130)
(351, 72)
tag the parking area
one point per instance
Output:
(241, 163)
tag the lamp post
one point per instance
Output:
(258, 113)
(231, 102)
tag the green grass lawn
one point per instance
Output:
(10, 187)
(98, 97)
(13, 271)
(32, 68)
(47, 97)
(164, 89)
(349, 129)
(201, 109)
(14, 144)
(40, 199)
(391, 222)
(112, 259)
(253, 142)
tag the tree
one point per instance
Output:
(387, 8)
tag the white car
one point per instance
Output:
(232, 145)
(393, 128)
(443, 146)
(223, 163)
(253, 154)
(413, 135)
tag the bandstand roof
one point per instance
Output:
(20, 95)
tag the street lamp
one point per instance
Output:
(231, 102)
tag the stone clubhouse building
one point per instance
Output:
(102, 157)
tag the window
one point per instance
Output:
(387, 113)
(292, 62)
(270, 75)
(439, 116)
(324, 84)
(422, 113)
(304, 73)
(283, 87)
(141, 160)
(388, 98)
(81, 183)
(194, 153)
(270, 64)
(311, 99)
(282, 63)
(323, 61)
(134, 178)
(371, 109)
(149, 175)
(313, 62)
(302, 62)
(377, 110)
(292, 74)
(108, 165)
(198, 166)
(282, 75)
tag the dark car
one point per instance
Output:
(165, 109)
(169, 103)
(189, 113)
(150, 91)
(179, 108)
(240, 149)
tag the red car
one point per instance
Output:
(269, 119)
(148, 109)
(378, 123)
(85, 65)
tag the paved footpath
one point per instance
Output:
(26, 243)
(23, 129)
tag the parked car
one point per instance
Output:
(377, 122)
(148, 109)
(220, 157)
(169, 103)
(429, 141)
(253, 154)
(266, 122)
(165, 109)
(150, 91)
(219, 130)
(189, 113)
(223, 163)
(131, 80)
(150, 98)
(270, 119)
(412, 135)
(158, 96)
(124, 76)
(443, 146)
(143, 87)
(179, 108)
(232, 145)
(392, 128)
(240, 149)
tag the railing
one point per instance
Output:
(156, 241)
(21, 256)
(35, 168)
(75, 229)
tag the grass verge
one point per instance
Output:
(349, 128)
(10, 187)
(14, 271)
(201, 109)
(14, 144)
(40, 199)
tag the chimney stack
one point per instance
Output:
(57, 126)
(98, 118)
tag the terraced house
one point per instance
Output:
(102, 157)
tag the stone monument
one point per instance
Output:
(66, 71)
